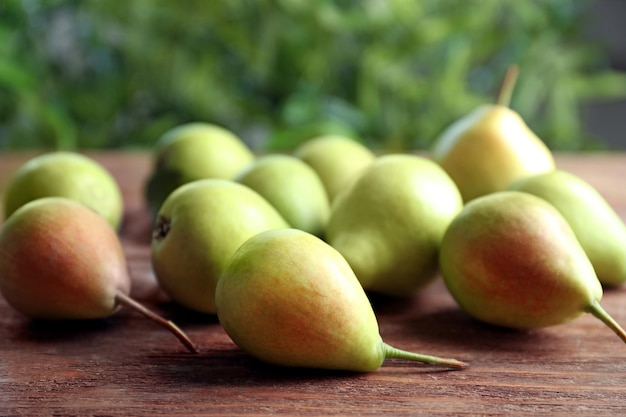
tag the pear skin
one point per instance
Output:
(70, 175)
(61, 260)
(191, 152)
(338, 160)
(292, 187)
(599, 229)
(198, 228)
(288, 298)
(511, 259)
(389, 223)
(489, 148)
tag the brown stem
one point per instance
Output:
(508, 85)
(125, 300)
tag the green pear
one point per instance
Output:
(288, 298)
(599, 229)
(66, 174)
(199, 226)
(61, 260)
(191, 152)
(491, 147)
(292, 187)
(511, 259)
(389, 223)
(338, 160)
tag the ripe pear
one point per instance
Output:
(491, 147)
(199, 226)
(292, 187)
(61, 260)
(66, 174)
(511, 259)
(389, 223)
(191, 152)
(288, 298)
(338, 160)
(599, 229)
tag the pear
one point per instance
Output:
(337, 159)
(199, 226)
(61, 260)
(292, 187)
(389, 223)
(191, 152)
(511, 259)
(288, 298)
(599, 229)
(491, 147)
(66, 174)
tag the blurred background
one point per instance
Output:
(108, 74)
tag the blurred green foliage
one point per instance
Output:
(394, 73)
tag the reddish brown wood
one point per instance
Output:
(127, 365)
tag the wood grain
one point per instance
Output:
(128, 366)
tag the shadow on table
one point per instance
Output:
(231, 367)
(453, 327)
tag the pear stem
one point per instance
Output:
(392, 352)
(596, 309)
(125, 300)
(508, 85)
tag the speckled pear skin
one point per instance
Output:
(599, 229)
(61, 260)
(288, 298)
(198, 228)
(511, 259)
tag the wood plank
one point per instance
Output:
(126, 365)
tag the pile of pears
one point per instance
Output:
(61, 257)
(285, 249)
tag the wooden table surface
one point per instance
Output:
(128, 366)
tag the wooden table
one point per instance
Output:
(126, 365)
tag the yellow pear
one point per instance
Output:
(491, 147)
